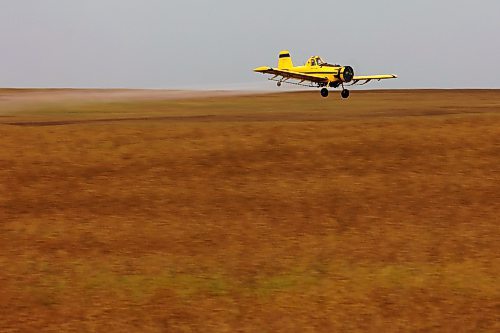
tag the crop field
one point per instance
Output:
(139, 212)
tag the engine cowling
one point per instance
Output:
(346, 74)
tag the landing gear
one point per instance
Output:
(345, 93)
(324, 92)
(278, 84)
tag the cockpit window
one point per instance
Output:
(313, 62)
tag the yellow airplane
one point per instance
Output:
(317, 73)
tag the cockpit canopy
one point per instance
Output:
(317, 61)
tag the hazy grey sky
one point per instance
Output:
(215, 44)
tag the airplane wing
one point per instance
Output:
(291, 74)
(368, 78)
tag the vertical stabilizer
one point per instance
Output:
(285, 61)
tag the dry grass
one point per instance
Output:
(270, 213)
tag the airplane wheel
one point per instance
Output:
(345, 93)
(278, 84)
(324, 92)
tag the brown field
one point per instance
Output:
(266, 213)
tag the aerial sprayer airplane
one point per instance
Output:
(317, 73)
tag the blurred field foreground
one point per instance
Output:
(147, 212)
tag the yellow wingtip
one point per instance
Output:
(261, 69)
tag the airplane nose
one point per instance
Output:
(348, 74)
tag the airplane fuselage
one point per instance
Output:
(333, 73)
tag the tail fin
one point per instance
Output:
(285, 61)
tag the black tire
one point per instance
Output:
(345, 93)
(324, 92)
(278, 84)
